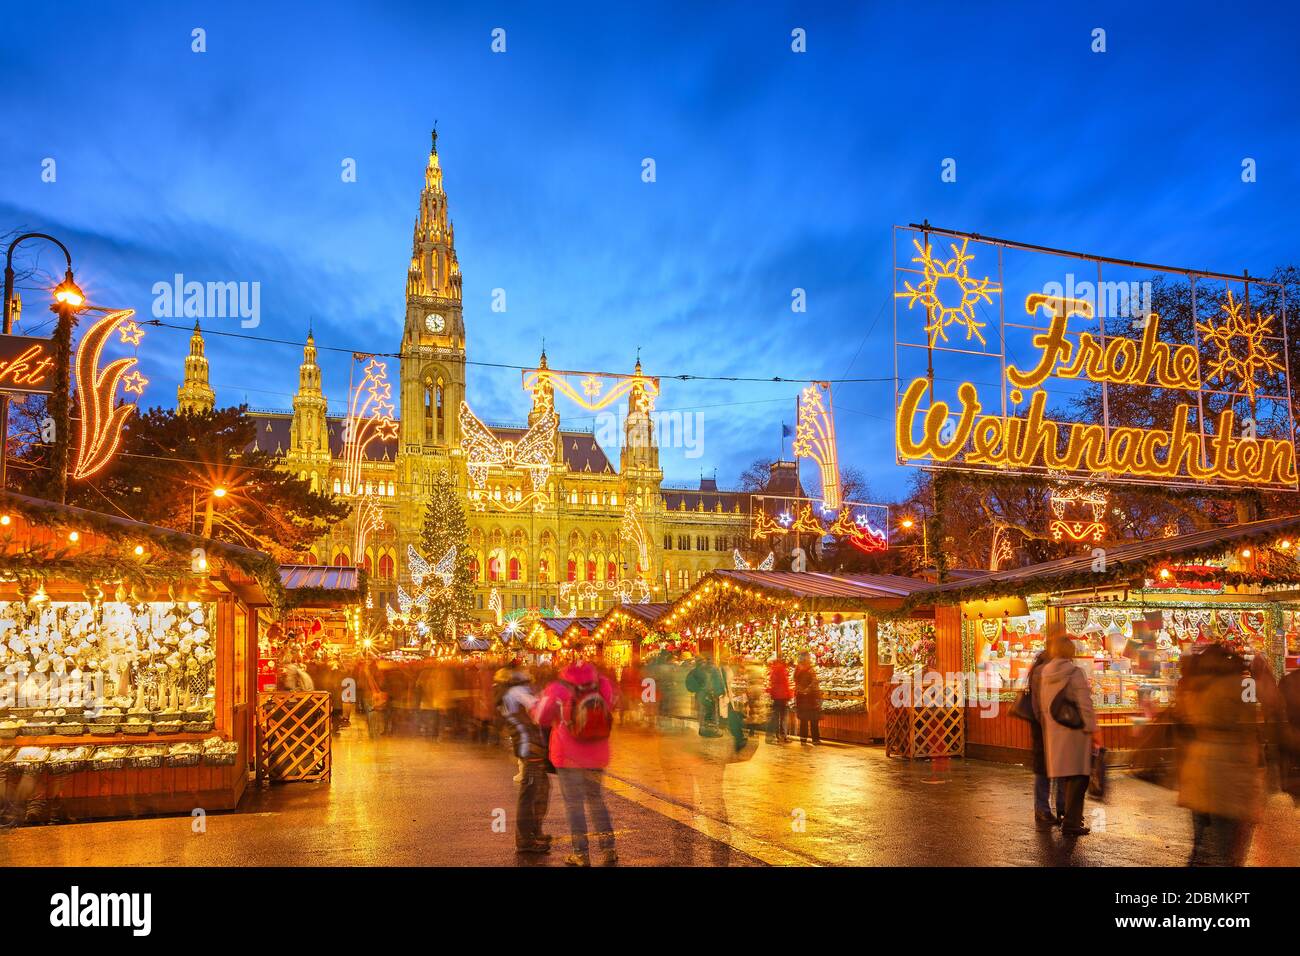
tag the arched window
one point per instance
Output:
(386, 567)
(591, 569)
(683, 578)
(496, 565)
(341, 560)
(544, 567)
(428, 414)
(366, 563)
(572, 574)
(311, 558)
(611, 569)
(439, 411)
(516, 567)
(475, 569)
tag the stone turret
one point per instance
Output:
(195, 396)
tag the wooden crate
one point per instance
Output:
(293, 730)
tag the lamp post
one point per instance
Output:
(908, 524)
(67, 299)
(217, 492)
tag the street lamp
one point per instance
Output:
(68, 297)
(908, 524)
(217, 492)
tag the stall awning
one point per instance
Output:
(726, 595)
(1125, 561)
(640, 618)
(321, 585)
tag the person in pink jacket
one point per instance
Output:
(578, 710)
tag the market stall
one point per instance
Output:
(623, 630)
(1138, 613)
(756, 616)
(126, 664)
(561, 635)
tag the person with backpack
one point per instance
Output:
(514, 697)
(578, 709)
(704, 681)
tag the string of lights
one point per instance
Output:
(678, 377)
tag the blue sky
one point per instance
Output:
(775, 171)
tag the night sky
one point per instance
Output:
(775, 171)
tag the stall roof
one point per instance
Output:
(816, 586)
(1123, 561)
(562, 624)
(258, 565)
(321, 585)
(644, 615)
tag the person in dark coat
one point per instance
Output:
(807, 699)
(705, 681)
(513, 692)
(1044, 817)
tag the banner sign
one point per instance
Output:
(26, 365)
(1019, 359)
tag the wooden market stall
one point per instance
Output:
(127, 656)
(622, 631)
(557, 635)
(840, 619)
(1139, 606)
(318, 623)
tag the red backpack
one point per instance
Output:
(589, 717)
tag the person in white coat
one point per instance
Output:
(1067, 750)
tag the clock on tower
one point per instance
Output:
(435, 322)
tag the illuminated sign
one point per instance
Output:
(26, 365)
(1089, 385)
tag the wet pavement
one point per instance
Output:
(410, 801)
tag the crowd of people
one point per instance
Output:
(1232, 732)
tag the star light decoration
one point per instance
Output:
(370, 419)
(1252, 357)
(814, 438)
(630, 530)
(948, 291)
(100, 428)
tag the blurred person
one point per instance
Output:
(807, 699)
(629, 693)
(1044, 816)
(780, 693)
(704, 682)
(293, 676)
(735, 698)
(515, 700)
(577, 710)
(482, 706)
(1218, 747)
(1067, 750)
(1289, 734)
(370, 694)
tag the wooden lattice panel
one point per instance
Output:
(294, 731)
(920, 733)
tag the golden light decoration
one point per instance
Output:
(625, 590)
(630, 529)
(1076, 529)
(941, 276)
(484, 451)
(370, 419)
(767, 564)
(1252, 357)
(101, 422)
(590, 392)
(814, 438)
(421, 570)
(130, 333)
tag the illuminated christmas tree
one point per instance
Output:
(445, 528)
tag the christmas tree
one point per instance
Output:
(445, 528)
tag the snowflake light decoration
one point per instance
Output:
(948, 291)
(1251, 356)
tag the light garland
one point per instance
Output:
(370, 418)
(767, 564)
(630, 529)
(100, 431)
(1078, 530)
(590, 393)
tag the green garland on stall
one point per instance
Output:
(258, 565)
